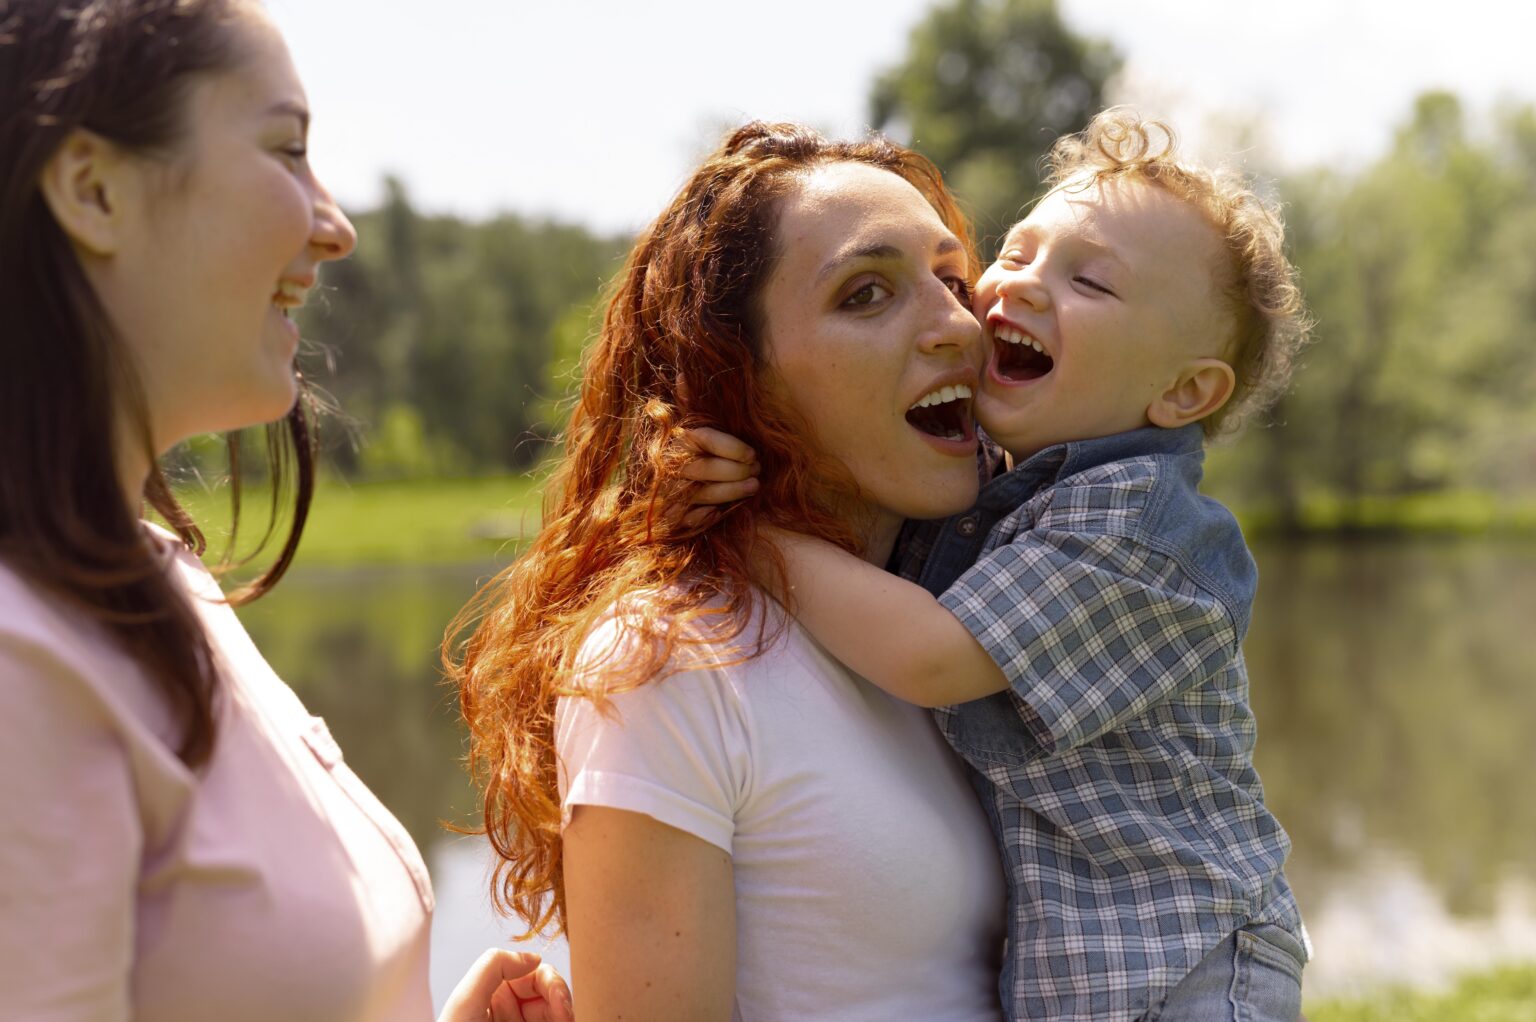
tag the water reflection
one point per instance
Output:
(1392, 689)
(1391, 683)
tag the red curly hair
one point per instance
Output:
(680, 347)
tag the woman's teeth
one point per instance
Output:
(944, 412)
(288, 295)
(944, 395)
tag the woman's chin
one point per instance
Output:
(937, 494)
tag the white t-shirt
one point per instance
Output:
(867, 882)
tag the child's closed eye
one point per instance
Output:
(1094, 285)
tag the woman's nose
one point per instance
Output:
(334, 236)
(953, 326)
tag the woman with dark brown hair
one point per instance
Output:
(726, 821)
(182, 839)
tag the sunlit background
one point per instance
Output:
(497, 157)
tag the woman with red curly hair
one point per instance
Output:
(725, 821)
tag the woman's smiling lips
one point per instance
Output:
(943, 414)
(290, 295)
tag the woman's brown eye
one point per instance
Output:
(869, 294)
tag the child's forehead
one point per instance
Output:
(1122, 214)
(1078, 207)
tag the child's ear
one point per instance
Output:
(1200, 389)
(83, 184)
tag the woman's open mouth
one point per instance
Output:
(944, 413)
(1019, 358)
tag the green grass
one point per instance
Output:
(1450, 511)
(1504, 995)
(418, 522)
(467, 521)
(1447, 513)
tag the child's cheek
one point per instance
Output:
(984, 294)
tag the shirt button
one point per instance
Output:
(966, 526)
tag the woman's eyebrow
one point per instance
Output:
(948, 246)
(843, 258)
(290, 108)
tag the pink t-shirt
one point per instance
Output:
(269, 885)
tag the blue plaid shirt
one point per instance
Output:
(1117, 771)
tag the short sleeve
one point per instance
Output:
(69, 862)
(676, 749)
(1090, 630)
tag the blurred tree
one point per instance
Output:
(985, 88)
(444, 332)
(1397, 264)
(1421, 271)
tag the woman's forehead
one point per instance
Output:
(848, 207)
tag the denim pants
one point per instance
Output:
(1252, 976)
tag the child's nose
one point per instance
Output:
(1026, 287)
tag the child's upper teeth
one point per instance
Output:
(1006, 333)
(944, 395)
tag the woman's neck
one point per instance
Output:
(880, 540)
(134, 463)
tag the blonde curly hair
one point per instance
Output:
(1257, 279)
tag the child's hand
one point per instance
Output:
(724, 468)
(509, 986)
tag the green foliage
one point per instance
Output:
(443, 332)
(569, 340)
(1421, 272)
(985, 88)
(401, 446)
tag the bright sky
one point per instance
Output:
(593, 110)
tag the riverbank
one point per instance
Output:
(481, 520)
(1505, 995)
(392, 522)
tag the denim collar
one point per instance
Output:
(1010, 489)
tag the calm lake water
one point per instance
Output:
(1392, 683)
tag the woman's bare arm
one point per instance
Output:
(651, 915)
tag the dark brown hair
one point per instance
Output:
(681, 346)
(121, 69)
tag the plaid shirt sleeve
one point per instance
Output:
(1091, 630)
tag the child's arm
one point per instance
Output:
(884, 628)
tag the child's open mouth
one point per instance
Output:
(1020, 358)
(945, 413)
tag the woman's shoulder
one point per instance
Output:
(185, 568)
(674, 631)
(33, 617)
(56, 653)
(753, 663)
